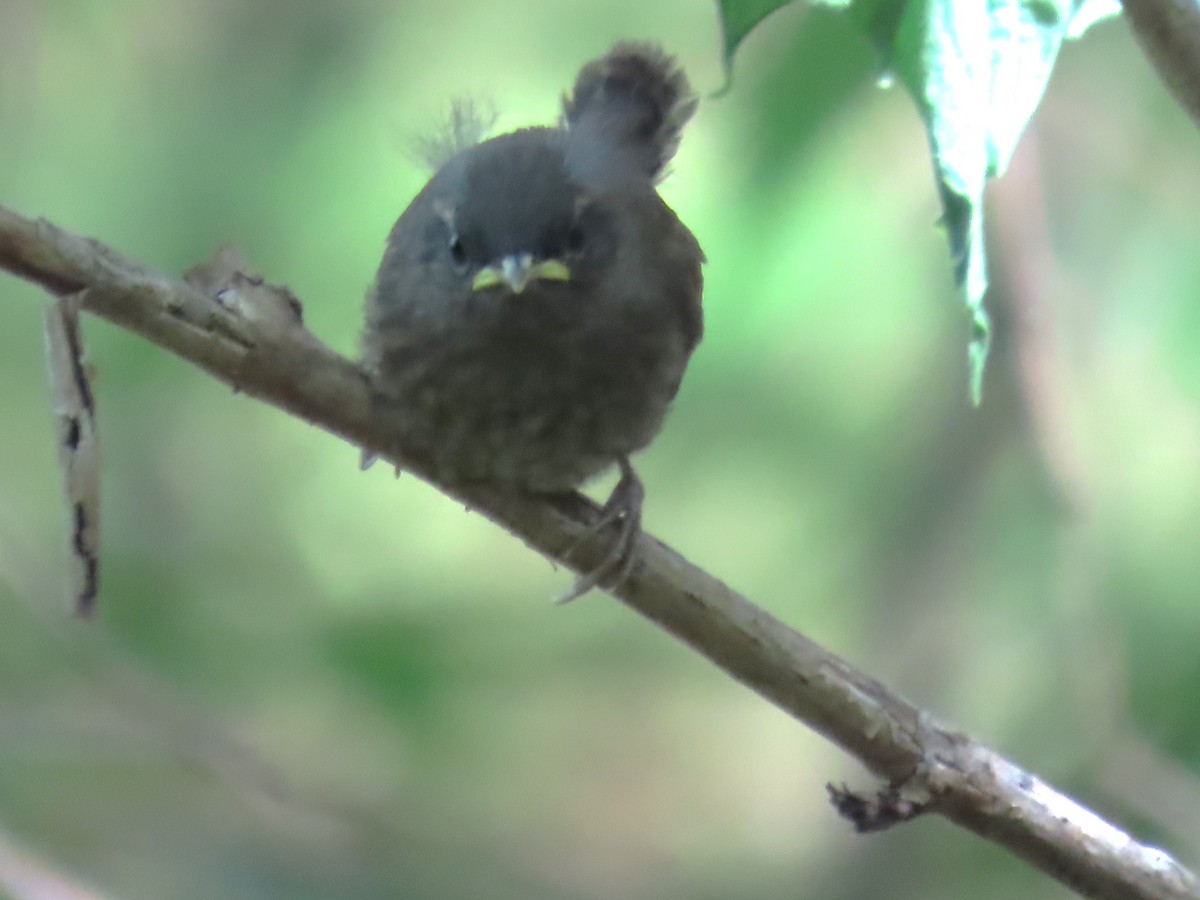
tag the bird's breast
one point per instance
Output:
(541, 399)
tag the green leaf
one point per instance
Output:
(977, 70)
(1088, 13)
(738, 19)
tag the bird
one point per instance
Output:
(538, 302)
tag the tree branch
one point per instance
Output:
(250, 337)
(1169, 34)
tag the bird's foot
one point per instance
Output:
(623, 507)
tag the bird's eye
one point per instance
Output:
(458, 252)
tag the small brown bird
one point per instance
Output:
(538, 302)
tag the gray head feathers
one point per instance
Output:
(469, 122)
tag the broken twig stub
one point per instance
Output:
(73, 404)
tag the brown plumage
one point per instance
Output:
(538, 302)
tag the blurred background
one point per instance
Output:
(305, 681)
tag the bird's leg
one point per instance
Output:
(623, 506)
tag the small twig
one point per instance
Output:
(78, 446)
(273, 358)
(875, 812)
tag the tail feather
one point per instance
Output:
(626, 113)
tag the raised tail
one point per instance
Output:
(626, 113)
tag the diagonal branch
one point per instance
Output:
(242, 338)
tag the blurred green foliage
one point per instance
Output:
(307, 681)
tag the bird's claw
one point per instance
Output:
(623, 507)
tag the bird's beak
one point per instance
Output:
(518, 270)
